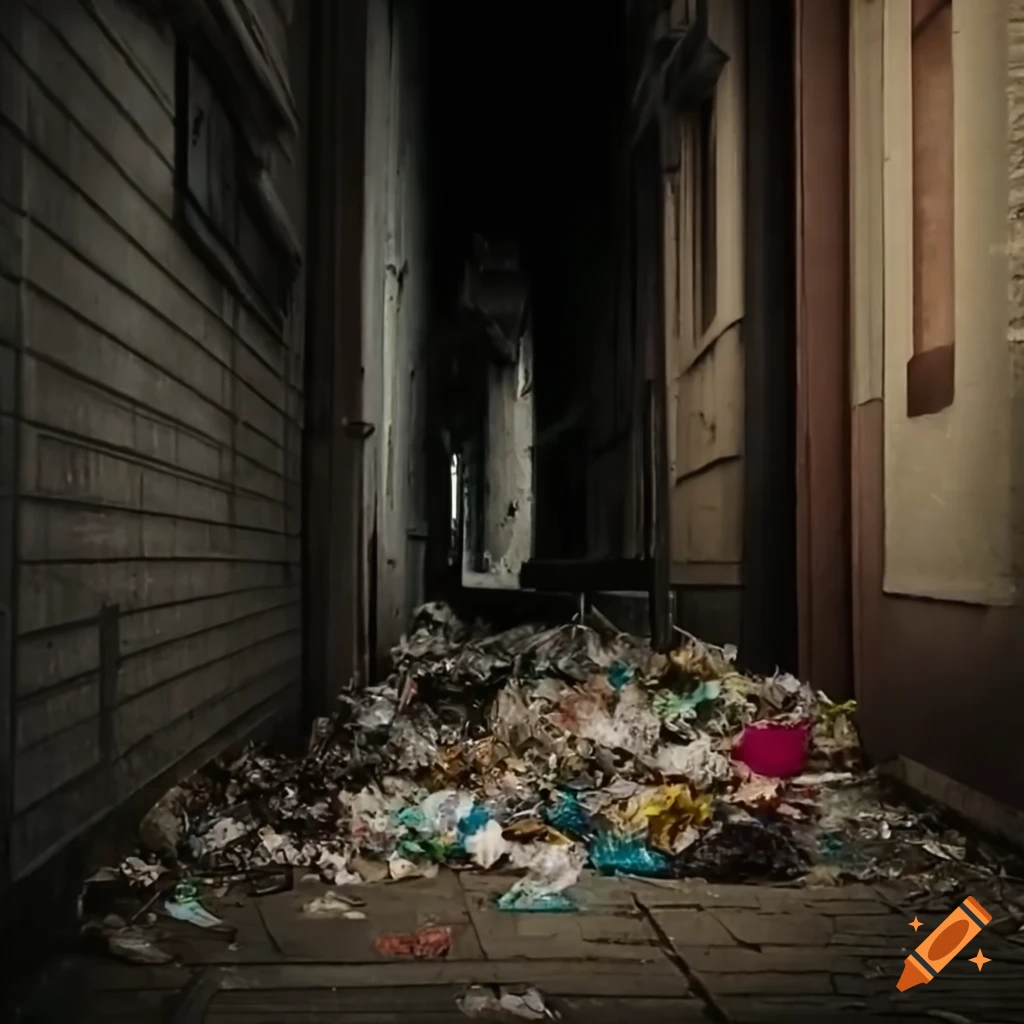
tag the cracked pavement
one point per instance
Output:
(665, 950)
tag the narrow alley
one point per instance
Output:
(511, 512)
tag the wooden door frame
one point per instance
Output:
(334, 644)
(824, 534)
(647, 188)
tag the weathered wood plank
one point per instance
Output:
(149, 714)
(707, 515)
(145, 629)
(78, 173)
(54, 397)
(63, 468)
(84, 347)
(710, 409)
(156, 665)
(55, 761)
(45, 828)
(85, 110)
(55, 657)
(48, 659)
(90, 49)
(58, 593)
(49, 64)
(59, 532)
(147, 44)
(87, 229)
(60, 276)
(36, 721)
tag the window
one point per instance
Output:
(930, 376)
(225, 201)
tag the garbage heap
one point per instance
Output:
(540, 748)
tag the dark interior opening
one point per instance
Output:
(526, 144)
(528, 141)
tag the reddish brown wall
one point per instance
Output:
(938, 682)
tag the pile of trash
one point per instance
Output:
(549, 749)
(541, 748)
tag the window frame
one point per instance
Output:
(253, 194)
(931, 369)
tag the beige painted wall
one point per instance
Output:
(948, 476)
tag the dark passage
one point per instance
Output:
(525, 144)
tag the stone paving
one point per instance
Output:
(662, 950)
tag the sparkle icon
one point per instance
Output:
(915, 924)
(980, 960)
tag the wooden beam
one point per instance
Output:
(824, 544)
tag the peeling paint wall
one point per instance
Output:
(508, 464)
(395, 321)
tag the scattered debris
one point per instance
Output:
(335, 904)
(163, 827)
(480, 1002)
(185, 906)
(193, 912)
(431, 942)
(133, 945)
(547, 749)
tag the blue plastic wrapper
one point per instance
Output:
(549, 903)
(568, 816)
(613, 854)
(412, 818)
(620, 674)
(473, 822)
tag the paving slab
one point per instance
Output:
(658, 893)
(693, 927)
(191, 945)
(400, 907)
(759, 928)
(596, 935)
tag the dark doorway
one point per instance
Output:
(525, 136)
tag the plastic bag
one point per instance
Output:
(616, 854)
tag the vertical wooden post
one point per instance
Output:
(332, 449)
(650, 285)
(824, 552)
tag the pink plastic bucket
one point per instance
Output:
(778, 751)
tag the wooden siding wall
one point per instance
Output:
(159, 430)
(704, 347)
